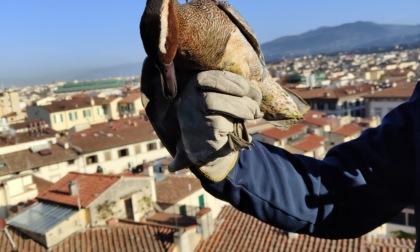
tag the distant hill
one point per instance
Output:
(346, 37)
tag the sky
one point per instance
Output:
(44, 40)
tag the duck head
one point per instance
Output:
(159, 32)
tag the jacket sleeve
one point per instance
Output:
(358, 186)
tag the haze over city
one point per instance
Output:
(49, 40)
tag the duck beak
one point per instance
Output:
(169, 80)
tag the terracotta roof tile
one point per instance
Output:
(348, 130)
(174, 188)
(112, 134)
(127, 237)
(400, 92)
(26, 137)
(277, 133)
(130, 98)
(90, 187)
(326, 93)
(236, 231)
(318, 118)
(76, 102)
(310, 142)
(26, 159)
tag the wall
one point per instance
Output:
(63, 230)
(120, 164)
(384, 105)
(14, 191)
(134, 188)
(36, 112)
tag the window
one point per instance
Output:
(151, 146)
(58, 118)
(107, 156)
(123, 153)
(35, 169)
(201, 202)
(71, 162)
(86, 113)
(137, 149)
(161, 145)
(73, 116)
(377, 111)
(92, 159)
(101, 111)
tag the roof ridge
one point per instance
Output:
(96, 174)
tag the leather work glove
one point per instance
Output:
(203, 127)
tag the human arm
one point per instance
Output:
(358, 185)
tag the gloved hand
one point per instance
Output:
(204, 125)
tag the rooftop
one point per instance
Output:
(112, 134)
(90, 85)
(41, 217)
(130, 98)
(277, 133)
(398, 92)
(309, 143)
(236, 231)
(26, 159)
(348, 130)
(90, 186)
(337, 93)
(76, 102)
(174, 188)
(120, 237)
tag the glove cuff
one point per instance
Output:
(218, 169)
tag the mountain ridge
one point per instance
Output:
(344, 37)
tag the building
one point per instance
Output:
(81, 111)
(281, 138)
(115, 146)
(67, 114)
(338, 101)
(345, 133)
(311, 146)
(10, 106)
(183, 194)
(16, 193)
(380, 102)
(80, 200)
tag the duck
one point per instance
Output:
(202, 35)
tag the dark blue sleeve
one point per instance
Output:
(358, 185)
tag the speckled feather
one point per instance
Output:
(213, 36)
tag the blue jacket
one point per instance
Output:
(358, 186)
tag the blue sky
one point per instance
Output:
(43, 40)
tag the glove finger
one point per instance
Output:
(243, 108)
(223, 82)
(254, 92)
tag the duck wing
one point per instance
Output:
(243, 26)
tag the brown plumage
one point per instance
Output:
(211, 35)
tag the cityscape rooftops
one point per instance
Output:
(174, 188)
(276, 133)
(75, 103)
(403, 91)
(27, 159)
(89, 187)
(111, 134)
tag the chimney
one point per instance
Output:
(73, 188)
(92, 101)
